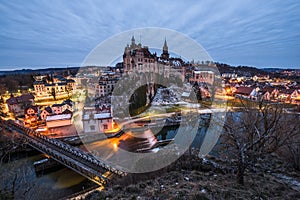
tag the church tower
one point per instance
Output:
(165, 54)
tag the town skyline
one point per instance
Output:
(38, 35)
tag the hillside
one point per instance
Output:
(240, 70)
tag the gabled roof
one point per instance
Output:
(244, 90)
(35, 108)
(25, 97)
(268, 89)
(57, 105)
(67, 111)
(62, 79)
(11, 101)
(103, 108)
(69, 102)
(38, 83)
(48, 109)
(19, 99)
(287, 91)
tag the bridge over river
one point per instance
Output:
(95, 169)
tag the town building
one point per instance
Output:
(98, 120)
(247, 92)
(289, 95)
(202, 77)
(57, 108)
(46, 112)
(68, 105)
(106, 85)
(269, 93)
(229, 75)
(16, 105)
(55, 87)
(60, 108)
(31, 116)
(58, 120)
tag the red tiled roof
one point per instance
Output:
(268, 89)
(244, 90)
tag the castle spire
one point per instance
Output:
(132, 40)
(165, 53)
(165, 47)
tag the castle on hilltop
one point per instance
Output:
(138, 58)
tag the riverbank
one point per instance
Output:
(193, 178)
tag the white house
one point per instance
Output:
(97, 119)
(53, 121)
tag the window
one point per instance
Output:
(105, 126)
(92, 127)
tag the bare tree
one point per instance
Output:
(9, 144)
(256, 130)
(291, 151)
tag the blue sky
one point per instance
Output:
(37, 34)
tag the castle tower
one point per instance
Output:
(165, 54)
(133, 45)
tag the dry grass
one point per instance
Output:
(196, 181)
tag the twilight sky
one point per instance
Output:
(37, 34)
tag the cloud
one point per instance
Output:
(42, 33)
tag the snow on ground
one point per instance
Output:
(166, 96)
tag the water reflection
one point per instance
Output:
(127, 150)
(54, 185)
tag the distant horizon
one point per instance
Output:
(69, 66)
